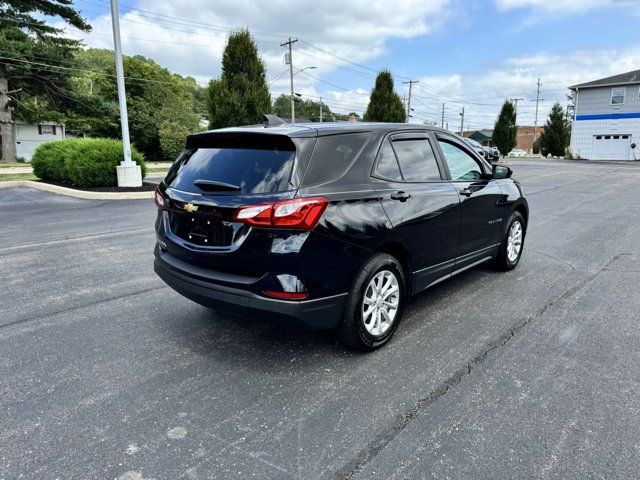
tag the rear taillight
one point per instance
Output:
(299, 213)
(159, 199)
(287, 295)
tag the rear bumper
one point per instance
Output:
(231, 295)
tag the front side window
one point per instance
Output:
(462, 166)
(617, 96)
(417, 160)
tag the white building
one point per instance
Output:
(606, 119)
(28, 136)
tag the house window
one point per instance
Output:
(46, 129)
(617, 96)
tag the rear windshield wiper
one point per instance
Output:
(213, 186)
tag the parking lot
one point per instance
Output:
(106, 373)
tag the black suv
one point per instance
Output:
(333, 225)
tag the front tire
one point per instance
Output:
(375, 304)
(510, 251)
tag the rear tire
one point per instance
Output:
(510, 251)
(375, 304)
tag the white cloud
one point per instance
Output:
(357, 30)
(483, 93)
(560, 5)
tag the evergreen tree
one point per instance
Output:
(384, 104)
(241, 95)
(555, 137)
(505, 131)
(29, 45)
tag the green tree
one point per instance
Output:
(241, 95)
(308, 109)
(159, 102)
(554, 139)
(34, 57)
(505, 131)
(384, 104)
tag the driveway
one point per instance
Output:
(105, 373)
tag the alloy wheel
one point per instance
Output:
(514, 241)
(380, 303)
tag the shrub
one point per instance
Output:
(84, 162)
(49, 159)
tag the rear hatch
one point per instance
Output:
(216, 174)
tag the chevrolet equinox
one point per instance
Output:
(331, 225)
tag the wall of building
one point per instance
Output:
(28, 137)
(595, 116)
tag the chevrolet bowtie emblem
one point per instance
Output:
(190, 207)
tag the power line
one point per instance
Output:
(48, 67)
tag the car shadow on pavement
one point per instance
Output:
(267, 344)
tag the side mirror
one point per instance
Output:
(500, 171)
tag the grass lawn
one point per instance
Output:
(157, 171)
(14, 164)
(17, 176)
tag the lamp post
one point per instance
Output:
(128, 172)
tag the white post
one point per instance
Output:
(129, 173)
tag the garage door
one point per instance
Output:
(611, 147)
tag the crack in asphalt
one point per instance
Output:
(402, 420)
(581, 269)
(72, 239)
(77, 307)
(548, 255)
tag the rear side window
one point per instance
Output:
(417, 160)
(332, 155)
(240, 166)
(387, 166)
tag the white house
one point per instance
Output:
(29, 136)
(606, 121)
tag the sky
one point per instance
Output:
(463, 53)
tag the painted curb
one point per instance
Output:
(70, 192)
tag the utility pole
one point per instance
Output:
(8, 152)
(462, 122)
(515, 101)
(442, 114)
(320, 109)
(290, 62)
(535, 123)
(128, 172)
(410, 83)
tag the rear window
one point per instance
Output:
(239, 165)
(332, 155)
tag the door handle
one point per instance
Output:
(402, 196)
(466, 192)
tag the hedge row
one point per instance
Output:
(84, 162)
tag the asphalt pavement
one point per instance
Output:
(105, 373)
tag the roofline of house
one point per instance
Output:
(615, 84)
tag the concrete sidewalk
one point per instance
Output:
(29, 169)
